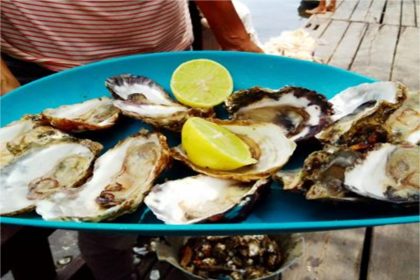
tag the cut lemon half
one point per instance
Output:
(212, 146)
(201, 83)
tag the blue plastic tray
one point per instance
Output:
(279, 211)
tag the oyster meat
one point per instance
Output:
(404, 123)
(322, 174)
(267, 143)
(300, 112)
(121, 178)
(93, 114)
(388, 172)
(141, 98)
(360, 114)
(202, 198)
(59, 163)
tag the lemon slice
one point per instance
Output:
(210, 145)
(201, 83)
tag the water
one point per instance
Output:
(271, 17)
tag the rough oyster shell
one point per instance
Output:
(41, 169)
(404, 123)
(93, 114)
(268, 145)
(360, 114)
(141, 98)
(322, 174)
(302, 113)
(202, 198)
(388, 172)
(121, 178)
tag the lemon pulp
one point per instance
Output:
(201, 83)
(213, 146)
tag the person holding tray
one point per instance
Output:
(39, 38)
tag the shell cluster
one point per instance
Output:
(367, 129)
(371, 149)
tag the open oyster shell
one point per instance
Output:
(141, 98)
(202, 198)
(121, 178)
(56, 162)
(404, 123)
(268, 145)
(93, 114)
(322, 174)
(302, 113)
(11, 133)
(361, 112)
(388, 172)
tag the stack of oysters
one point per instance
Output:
(369, 133)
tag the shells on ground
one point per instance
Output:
(121, 178)
(300, 112)
(93, 114)
(202, 198)
(267, 143)
(141, 98)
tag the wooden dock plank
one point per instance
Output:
(408, 13)
(374, 13)
(361, 10)
(346, 50)
(407, 60)
(394, 253)
(316, 25)
(375, 55)
(345, 10)
(393, 12)
(417, 13)
(330, 39)
(329, 255)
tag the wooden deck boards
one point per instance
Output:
(392, 12)
(395, 253)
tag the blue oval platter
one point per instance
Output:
(278, 211)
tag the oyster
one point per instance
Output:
(61, 162)
(322, 174)
(121, 178)
(302, 113)
(202, 198)
(141, 98)
(360, 114)
(14, 131)
(267, 143)
(93, 114)
(388, 172)
(404, 123)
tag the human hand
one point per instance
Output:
(8, 81)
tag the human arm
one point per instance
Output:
(8, 80)
(226, 25)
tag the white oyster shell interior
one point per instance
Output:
(120, 179)
(197, 198)
(390, 173)
(52, 163)
(349, 100)
(89, 115)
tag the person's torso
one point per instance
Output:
(63, 34)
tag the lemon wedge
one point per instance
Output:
(201, 83)
(212, 146)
